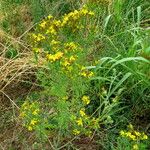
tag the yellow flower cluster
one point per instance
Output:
(49, 33)
(73, 18)
(67, 54)
(71, 46)
(68, 61)
(45, 22)
(39, 37)
(79, 122)
(54, 57)
(135, 147)
(133, 134)
(54, 43)
(68, 48)
(85, 123)
(76, 132)
(32, 124)
(52, 26)
(82, 112)
(86, 73)
(70, 51)
(86, 99)
(29, 113)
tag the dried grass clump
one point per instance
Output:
(18, 69)
(12, 70)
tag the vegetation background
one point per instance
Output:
(116, 49)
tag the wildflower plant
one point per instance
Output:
(32, 118)
(64, 76)
(135, 139)
(66, 79)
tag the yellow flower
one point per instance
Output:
(86, 100)
(65, 63)
(133, 137)
(70, 46)
(83, 74)
(82, 112)
(76, 132)
(137, 133)
(79, 122)
(35, 112)
(54, 57)
(57, 23)
(43, 24)
(30, 128)
(84, 11)
(90, 74)
(91, 13)
(65, 20)
(122, 133)
(51, 30)
(128, 134)
(58, 55)
(72, 58)
(54, 42)
(87, 73)
(49, 16)
(70, 18)
(50, 57)
(145, 137)
(33, 36)
(135, 147)
(40, 37)
(33, 122)
(25, 105)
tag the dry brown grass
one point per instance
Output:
(14, 74)
(10, 69)
(13, 71)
